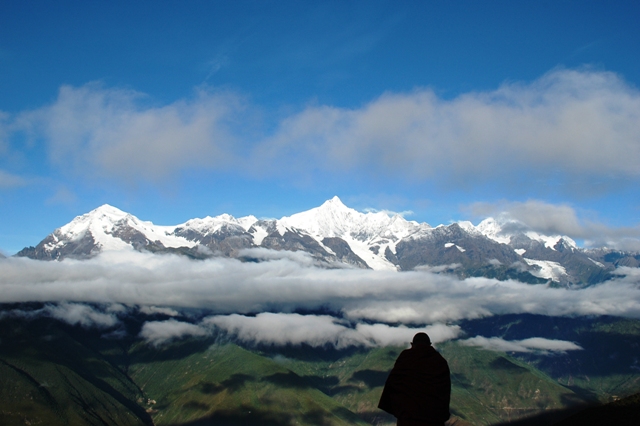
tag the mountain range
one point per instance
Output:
(335, 235)
(64, 360)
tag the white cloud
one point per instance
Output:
(261, 253)
(567, 123)
(366, 301)
(74, 314)
(8, 180)
(527, 345)
(159, 332)
(568, 126)
(294, 329)
(154, 310)
(229, 286)
(112, 133)
(80, 314)
(385, 335)
(553, 219)
(389, 213)
(439, 268)
(281, 329)
(539, 216)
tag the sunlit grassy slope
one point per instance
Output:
(491, 387)
(196, 382)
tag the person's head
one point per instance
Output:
(421, 339)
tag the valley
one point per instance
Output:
(55, 373)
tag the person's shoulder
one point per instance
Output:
(433, 353)
(440, 358)
(405, 353)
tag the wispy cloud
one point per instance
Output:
(389, 212)
(71, 313)
(534, 344)
(9, 180)
(553, 219)
(117, 133)
(159, 332)
(281, 329)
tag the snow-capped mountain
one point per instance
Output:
(336, 234)
(369, 235)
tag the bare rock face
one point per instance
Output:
(81, 248)
(295, 240)
(447, 245)
(130, 235)
(343, 252)
(227, 241)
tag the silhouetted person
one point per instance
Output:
(418, 388)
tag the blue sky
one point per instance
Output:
(449, 110)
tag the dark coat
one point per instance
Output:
(418, 387)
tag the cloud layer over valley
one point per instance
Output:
(263, 302)
(226, 286)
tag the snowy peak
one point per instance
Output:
(334, 219)
(331, 219)
(371, 236)
(495, 229)
(104, 214)
(209, 225)
(505, 230)
(334, 203)
(107, 210)
(98, 220)
(109, 228)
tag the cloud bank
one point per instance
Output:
(228, 286)
(258, 303)
(113, 133)
(567, 126)
(281, 329)
(567, 123)
(553, 219)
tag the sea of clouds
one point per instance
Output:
(261, 302)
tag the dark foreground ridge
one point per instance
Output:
(623, 412)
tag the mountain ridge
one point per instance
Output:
(334, 233)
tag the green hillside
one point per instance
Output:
(487, 387)
(51, 378)
(196, 382)
(491, 387)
